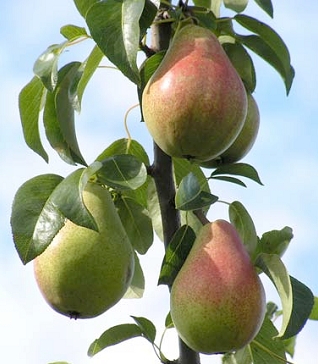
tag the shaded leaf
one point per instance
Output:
(267, 6)
(137, 285)
(137, 223)
(236, 5)
(123, 171)
(190, 196)
(147, 16)
(83, 5)
(230, 179)
(204, 16)
(314, 311)
(30, 105)
(114, 25)
(244, 225)
(238, 169)
(176, 253)
(147, 327)
(113, 336)
(168, 321)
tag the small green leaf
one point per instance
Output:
(275, 241)
(230, 179)
(123, 171)
(113, 336)
(114, 25)
(168, 321)
(137, 223)
(30, 105)
(244, 225)
(236, 5)
(137, 285)
(147, 327)
(267, 6)
(72, 32)
(314, 311)
(176, 253)
(190, 196)
(238, 169)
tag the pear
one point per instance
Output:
(217, 299)
(245, 140)
(83, 273)
(195, 104)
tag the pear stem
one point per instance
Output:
(162, 172)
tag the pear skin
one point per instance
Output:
(245, 140)
(195, 103)
(217, 299)
(83, 273)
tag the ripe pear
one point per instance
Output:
(217, 299)
(83, 273)
(245, 140)
(195, 104)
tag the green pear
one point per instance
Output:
(217, 299)
(83, 273)
(195, 103)
(245, 140)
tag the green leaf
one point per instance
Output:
(266, 350)
(238, 169)
(154, 208)
(147, 17)
(83, 5)
(230, 179)
(168, 321)
(275, 241)
(190, 196)
(242, 356)
(268, 45)
(209, 4)
(314, 311)
(113, 336)
(89, 67)
(243, 64)
(176, 253)
(58, 115)
(30, 105)
(137, 223)
(297, 299)
(204, 16)
(114, 25)
(34, 218)
(236, 5)
(267, 6)
(244, 225)
(147, 327)
(137, 285)
(123, 171)
(72, 32)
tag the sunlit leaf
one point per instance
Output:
(314, 311)
(236, 5)
(30, 105)
(147, 327)
(72, 32)
(176, 253)
(276, 241)
(114, 25)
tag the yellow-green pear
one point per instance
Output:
(83, 273)
(245, 140)
(195, 103)
(217, 299)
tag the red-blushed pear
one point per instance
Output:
(217, 299)
(245, 140)
(83, 273)
(195, 104)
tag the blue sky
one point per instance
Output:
(285, 155)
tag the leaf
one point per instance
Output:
(34, 219)
(230, 179)
(204, 17)
(137, 223)
(243, 64)
(114, 25)
(154, 209)
(83, 5)
(147, 327)
(275, 241)
(238, 169)
(123, 171)
(267, 6)
(269, 45)
(176, 253)
(147, 17)
(137, 285)
(72, 32)
(244, 225)
(190, 196)
(297, 299)
(113, 336)
(30, 105)
(314, 312)
(236, 5)
(168, 321)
